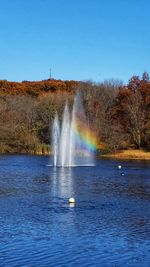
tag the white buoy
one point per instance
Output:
(119, 166)
(71, 200)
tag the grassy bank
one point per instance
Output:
(44, 149)
(133, 154)
(40, 149)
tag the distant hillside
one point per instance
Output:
(36, 88)
(119, 115)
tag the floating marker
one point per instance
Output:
(119, 166)
(71, 200)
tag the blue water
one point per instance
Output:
(109, 225)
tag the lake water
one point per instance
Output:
(109, 225)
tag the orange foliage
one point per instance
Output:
(36, 88)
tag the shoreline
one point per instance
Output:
(131, 154)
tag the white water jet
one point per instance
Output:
(64, 138)
(70, 146)
(55, 139)
(72, 140)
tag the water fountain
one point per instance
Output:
(55, 139)
(74, 143)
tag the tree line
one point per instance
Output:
(119, 114)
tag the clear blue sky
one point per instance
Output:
(78, 39)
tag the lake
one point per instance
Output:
(109, 225)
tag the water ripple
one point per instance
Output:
(109, 224)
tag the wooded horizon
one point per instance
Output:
(119, 114)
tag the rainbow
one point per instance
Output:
(85, 136)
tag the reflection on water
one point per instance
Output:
(62, 182)
(71, 205)
(109, 224)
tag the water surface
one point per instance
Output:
(109, 224)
